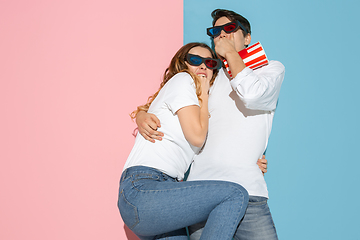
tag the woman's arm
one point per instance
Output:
(194, 120)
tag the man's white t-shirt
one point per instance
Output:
(241, 113)
(173, 154)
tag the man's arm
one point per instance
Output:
(225, 48)
(260, 89)
(147, 124)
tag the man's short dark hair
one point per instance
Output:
(232, 16)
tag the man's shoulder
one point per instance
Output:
(274, 67)
(276, 64)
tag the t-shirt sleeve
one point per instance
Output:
(259, 89)
(181, 92)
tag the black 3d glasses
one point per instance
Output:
(196, 60)
(228, 28)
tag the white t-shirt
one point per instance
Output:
(174, 153)
(241, 112)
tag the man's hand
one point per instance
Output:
(225, 45)
(225, 48)
(262, 163)
(147, 124)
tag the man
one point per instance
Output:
(241, 113)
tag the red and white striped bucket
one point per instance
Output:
(254, 57)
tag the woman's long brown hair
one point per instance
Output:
(178, 65)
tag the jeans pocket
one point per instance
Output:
(262, 203)
(257, 201)
(142, 180)
(128, 211)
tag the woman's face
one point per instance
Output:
(201, 71)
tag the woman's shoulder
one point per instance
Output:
(182, 76)
(180, 79)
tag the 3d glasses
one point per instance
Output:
(196, 60)
(228, 28)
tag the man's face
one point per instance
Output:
(239, 39)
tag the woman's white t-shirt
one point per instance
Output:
(174, 153)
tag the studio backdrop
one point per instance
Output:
(71, 72)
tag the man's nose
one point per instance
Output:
(223, 34)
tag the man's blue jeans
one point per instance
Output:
(154, 205)
(257, 223)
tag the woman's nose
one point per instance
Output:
(203, 66)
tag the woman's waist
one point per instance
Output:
(139, 172)
(172, 160)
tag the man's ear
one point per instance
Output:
(247, 39)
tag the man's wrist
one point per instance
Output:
(231, 55)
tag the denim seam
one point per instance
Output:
(240, 210)
(180, 188)
(135, 210)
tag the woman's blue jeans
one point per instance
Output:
(257, 224)
(156, 206)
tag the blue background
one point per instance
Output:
(313, 150)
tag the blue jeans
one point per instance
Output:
(257, 223)
(156, 206)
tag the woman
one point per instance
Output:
(152, 201)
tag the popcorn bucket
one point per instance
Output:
(254, 57)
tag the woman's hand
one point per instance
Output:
(205, 86)
(147, 124)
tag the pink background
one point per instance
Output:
(70, 73)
